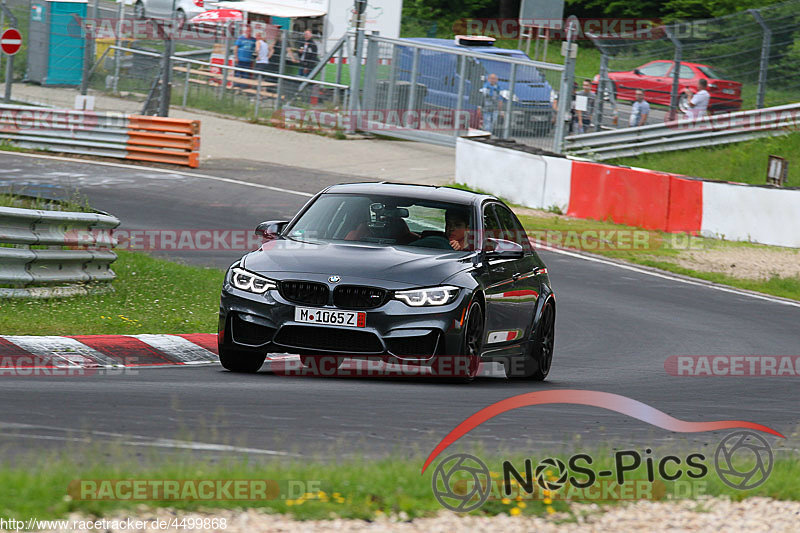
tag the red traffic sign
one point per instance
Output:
(11, 41)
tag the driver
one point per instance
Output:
(455, 228)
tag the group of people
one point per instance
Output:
(260, 54)
(697, 105)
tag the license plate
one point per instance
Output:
(728, 91)
(328, 317)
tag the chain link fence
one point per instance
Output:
(431, 89)
(749, 58)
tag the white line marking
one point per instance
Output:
(69, 352)
(671, 278)
(133, 440)
(184, 350)
(164, 171)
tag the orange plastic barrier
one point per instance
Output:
(164, 140)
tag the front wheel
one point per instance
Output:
(463, 367)
(240, 360)
(539, 357)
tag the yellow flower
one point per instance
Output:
(505, 501)
(548, 501)
(550, 510)
(522, 505)
(515, 511)
(289, 502)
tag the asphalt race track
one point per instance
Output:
(615, 329)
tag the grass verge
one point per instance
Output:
(744, 162)
(50, 486)
(151, 296)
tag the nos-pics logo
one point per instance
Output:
(462, 482)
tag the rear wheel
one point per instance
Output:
(539, 358)
(241, 360)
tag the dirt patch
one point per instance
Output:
(742, 262)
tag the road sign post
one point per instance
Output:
(10, 43)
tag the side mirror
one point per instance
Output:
(503, 249)
(271, 229)
(637, 72)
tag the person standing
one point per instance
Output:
(243, 50)
(640, 110)
(584, 117)
(698, 103)
(490, 108)
(263, 54)
(308, 53)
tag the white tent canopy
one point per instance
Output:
(273, 9)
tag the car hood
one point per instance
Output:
(357, 263)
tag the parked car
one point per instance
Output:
(439, 72)
(163, 9)
(655, 79)
(396, 273)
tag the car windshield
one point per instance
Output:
(386, 220)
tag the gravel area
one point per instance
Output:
(744, 262)
(705, 515)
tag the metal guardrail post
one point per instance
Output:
(676, 68)
(258, 98)
(165, 94)
(412, 94)
(764, 63)
(601, 91)
(186, 84)
(223, 85)
(462, 74)
(281, 68)
(370, 72)
(117, 42)
(339, 66)
(512, 80)
(566, 89)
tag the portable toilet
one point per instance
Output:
(56, 43)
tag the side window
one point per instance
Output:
(656, 69)
(512, 228)
(491, 227)
(686, 73)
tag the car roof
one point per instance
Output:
(450, 43)
(427, 192)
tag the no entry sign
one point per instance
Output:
(11, 41)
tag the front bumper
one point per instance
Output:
(393, 332)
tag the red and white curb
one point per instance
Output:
(107, 351)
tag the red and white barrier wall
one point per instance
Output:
(636, 197)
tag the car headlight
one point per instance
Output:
(506, 94)
(250, 282)
(426, 297)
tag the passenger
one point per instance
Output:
(456, 227)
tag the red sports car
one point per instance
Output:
(655, 79)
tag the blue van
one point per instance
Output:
(439, 74)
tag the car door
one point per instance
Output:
(502, 326)
(521, 298)
(655, 80)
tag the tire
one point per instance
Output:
(138, 11)
(471, 345)
(241, 361)
(683, 103)
(539, 357)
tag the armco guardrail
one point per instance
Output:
(107, 134)
(72, 250)
(682, 134)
